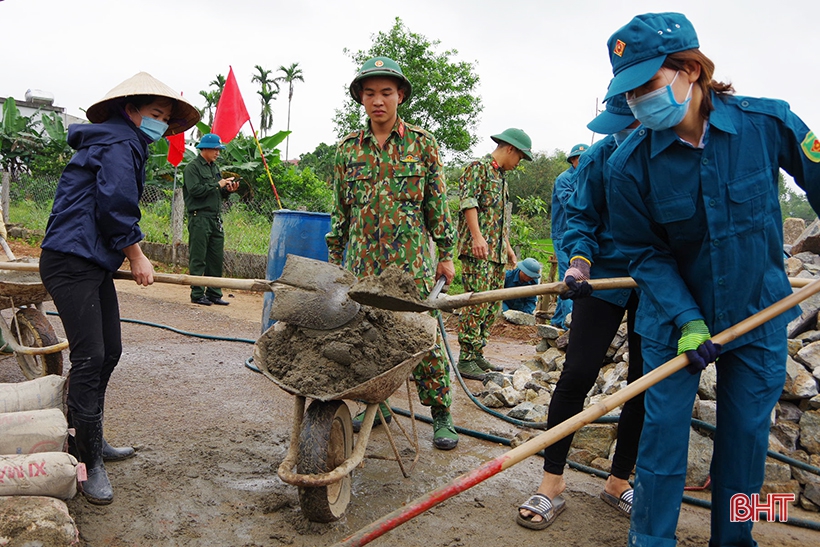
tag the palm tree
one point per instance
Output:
(292, 73)
(266, 95)
(211, 98)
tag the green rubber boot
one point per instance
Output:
(444, 432)
(487, 366)
(468, 368)
(377, 421)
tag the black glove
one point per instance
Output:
(700, 358)
(575, 289)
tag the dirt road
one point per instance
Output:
(211, 433)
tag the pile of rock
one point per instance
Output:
(795, 430)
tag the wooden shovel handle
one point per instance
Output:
(260, 285)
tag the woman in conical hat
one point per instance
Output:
(93, 227)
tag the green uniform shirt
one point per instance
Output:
(387, 200)
(483, 187)
(201, 187)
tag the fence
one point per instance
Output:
(27, 201)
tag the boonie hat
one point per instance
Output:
(210, 141)
(577, 150)
(616, 117)
(380, 66)
(183, 116)
(517, 138)
(531, 267)
(638, 49)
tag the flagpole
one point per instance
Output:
(265, 163)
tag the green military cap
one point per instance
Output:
(380, 66)
(517, 138)
(577, 150)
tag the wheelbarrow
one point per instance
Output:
(321, 442)
(29, 335)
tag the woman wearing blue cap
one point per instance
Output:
(588, 242)
(696, 190)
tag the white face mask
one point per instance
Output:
(659, 110)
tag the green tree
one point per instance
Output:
(291, 74)
(445, 99)
(320, 161)
(536, 179)
(794, 204)
(268, 92)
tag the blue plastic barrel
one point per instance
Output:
(298, 233)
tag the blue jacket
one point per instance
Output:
(589, 230)
(526, 304)
(561, 191)
(96, 208)
(702, 227)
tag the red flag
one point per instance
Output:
(176, 148)
(231, 113)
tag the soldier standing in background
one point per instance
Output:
(389, 196)
(483, 243)
(203, 192)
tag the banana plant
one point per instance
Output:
(19, 140)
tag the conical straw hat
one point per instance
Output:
(183, 117)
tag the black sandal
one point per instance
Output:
(622, 504)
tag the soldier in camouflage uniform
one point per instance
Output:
(389, 197)
(483, 244)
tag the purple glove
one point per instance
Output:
(578, 269)
(700, 358)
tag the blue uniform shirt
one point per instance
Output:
(589, 231)
(561, 191)
(702, 227)
(526, 304)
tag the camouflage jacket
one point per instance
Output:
(482, 186)
(386, 201)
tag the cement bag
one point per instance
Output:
(51, 474)
(45, 392)
(33, 431)
(36, 520)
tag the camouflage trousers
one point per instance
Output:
(475, 322)
(432, 374)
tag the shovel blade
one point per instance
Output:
(313, 294)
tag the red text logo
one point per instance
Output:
(774, 507)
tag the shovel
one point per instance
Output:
(310, 293)
(371, 293)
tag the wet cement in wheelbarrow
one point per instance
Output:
(326, 362)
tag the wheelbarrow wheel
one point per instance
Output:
(326, 440)
(36, 332)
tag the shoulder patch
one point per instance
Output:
(811, 147)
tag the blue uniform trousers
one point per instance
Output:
(562, 307)
(750, 381)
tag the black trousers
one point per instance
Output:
(85, 296)
(594, 324)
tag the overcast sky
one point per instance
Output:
(542, 63)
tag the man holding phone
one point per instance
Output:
(203, 190)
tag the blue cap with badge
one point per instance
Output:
(637, 51)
